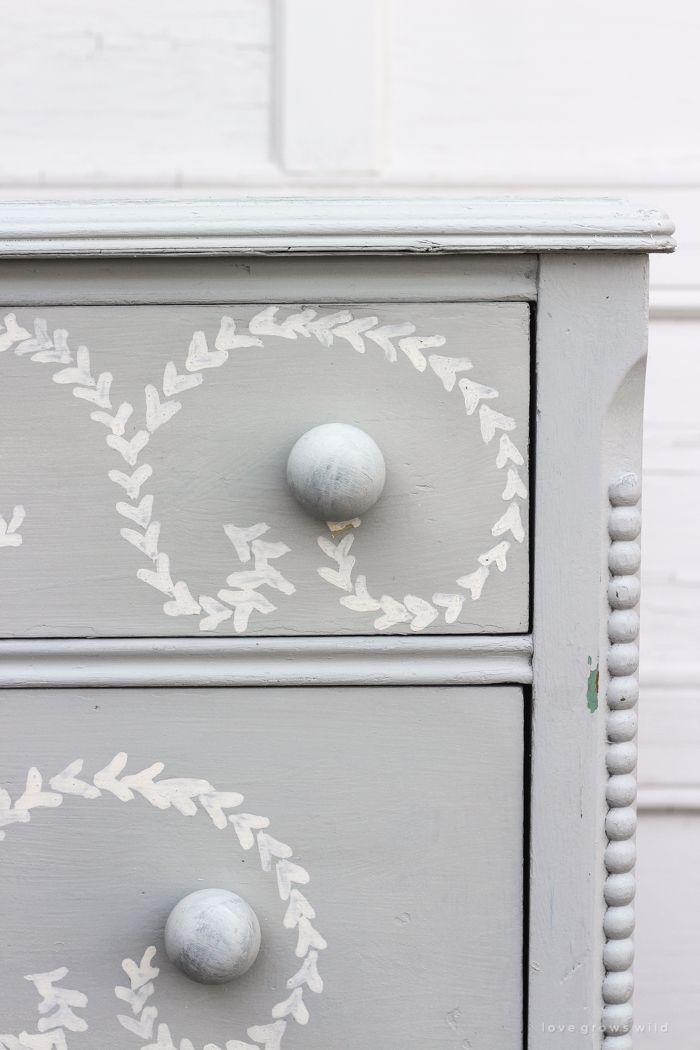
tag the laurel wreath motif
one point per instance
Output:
(183, 794)
(245, 597)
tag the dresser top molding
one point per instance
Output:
(329, 225)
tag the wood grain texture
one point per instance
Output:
(404, 806)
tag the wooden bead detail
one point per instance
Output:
(621, 758)
(617, 1019)
(623, 658)
(620, 856)
(621, 725)
(617, 1042)
(622, 693)
(625, 489)
(623, 625)
(618, 986)
(620, 824)
(619, 890)
(621, 789)
(619, 921)
(619, 955)
(623, 592)
(624, 523)
(624, 556)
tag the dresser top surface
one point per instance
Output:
(330, 225)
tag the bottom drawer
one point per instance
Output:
(379, 842)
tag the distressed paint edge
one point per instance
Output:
(194, 246)
(169, 662)
(593, 686)
(328, 225)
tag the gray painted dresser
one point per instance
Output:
(405, 738)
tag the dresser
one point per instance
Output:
(319, 552)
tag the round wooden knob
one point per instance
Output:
(212, 936)
(336, 472)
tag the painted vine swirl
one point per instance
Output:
(58, 1005)
(244, 593)
(239, 600)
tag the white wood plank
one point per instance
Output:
(330, 84)
(135, 94)
(667, 938)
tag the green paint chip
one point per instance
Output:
(592, 693)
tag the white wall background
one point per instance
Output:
(153, 97)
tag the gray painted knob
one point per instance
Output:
(212, 936)
(336, 471)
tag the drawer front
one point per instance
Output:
(145, 457)
(390, 822)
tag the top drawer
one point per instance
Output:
(144, 454)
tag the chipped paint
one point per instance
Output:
(339, 527)
(592, 691)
